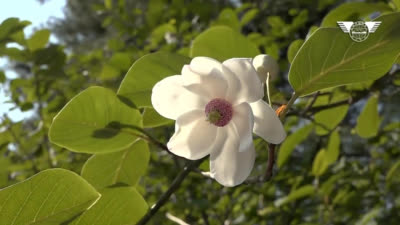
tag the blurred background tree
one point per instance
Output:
(98, 40)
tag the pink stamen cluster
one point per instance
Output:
(221, 108)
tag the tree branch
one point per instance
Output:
(174, 186)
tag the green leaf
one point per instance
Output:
(117, 205)
(333, 149)
(38, 40)
(108, 4)
(146, 72)
(330, 58)
(233, 45)
(3, 77)
(125, 166)
(352, 11)
(370, 216)
(328, 119)
(49, 197)
(228, 17)
(10, 26)
(152, 119)
(291, 142)
(296, 194)
(108, 72)
(249, 16)
(368, 122)
(95, 121)
(393, 171)
(319, 164)
(293, 49)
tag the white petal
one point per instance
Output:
(228, 166)
(171, 99)
(266, 123)
(194, 136)
(243, 122)
(206, 66)
(210, 85)
(249, 87)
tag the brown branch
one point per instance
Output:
(174, 186)
(271, 162)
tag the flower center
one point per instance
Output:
(219, 112)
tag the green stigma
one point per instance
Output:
(214, 116)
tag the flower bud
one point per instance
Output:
(265, 64)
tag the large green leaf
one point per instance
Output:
(152, 119)
(294, 195)
(38, 40)
(50, 197)
(222, 43)
(146, 72)
(291, 142)
(352, 11)
(125, 166)
(95, 121)
(331, 58)
(117, 206)
(368, 122)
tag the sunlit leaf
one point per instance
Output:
(152, 119)
(50, 197)
(146, 72)
(95, 121)
(38, 40)
(249, 16)
(326, 120)
(117, 205)
(228, 17)
(125, 166)
(223, 43)
(319, 164)
(368, 122)
(333, 148)
(331, 58)
(293, 49)
(352, 11)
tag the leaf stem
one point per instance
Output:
(288, 105)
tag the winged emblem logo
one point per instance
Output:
(360, 30)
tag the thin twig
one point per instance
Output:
(174, 186)
(271, 162)
(313, 100)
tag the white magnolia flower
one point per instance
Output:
(217, 106)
